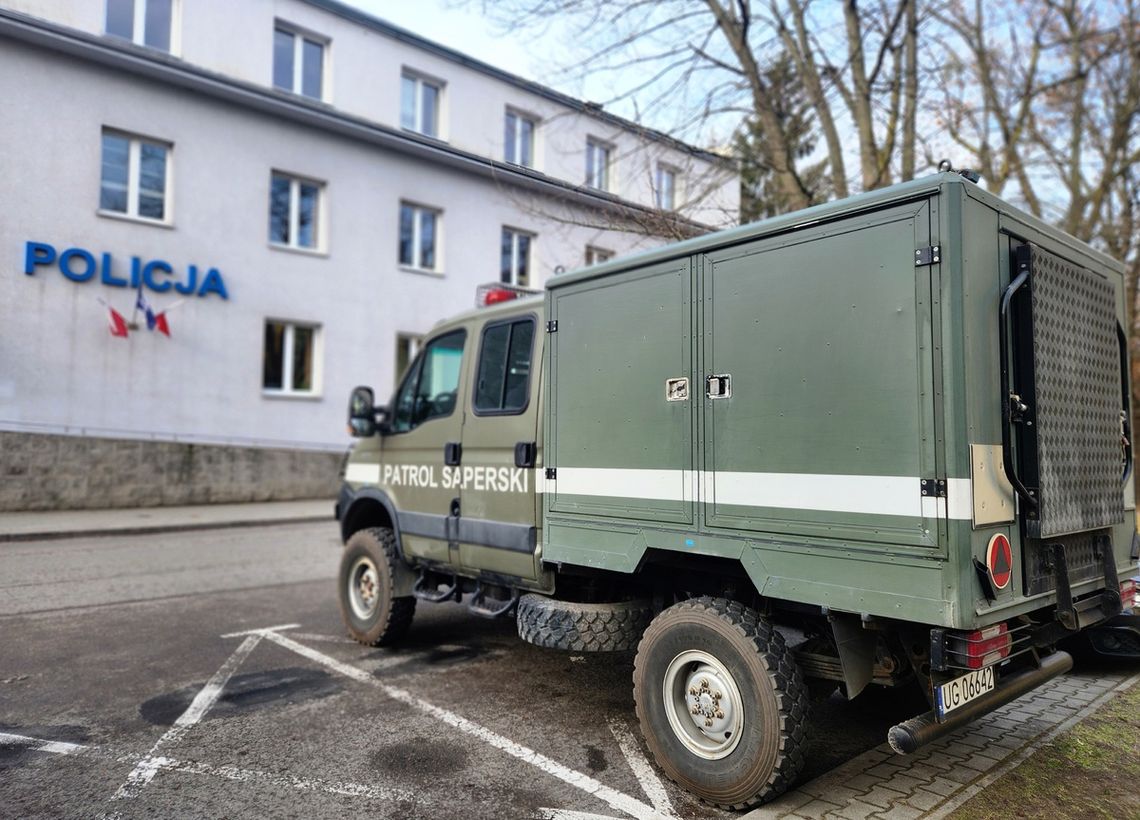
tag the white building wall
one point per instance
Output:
(363, 67)
(62, 371)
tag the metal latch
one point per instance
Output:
(552, 473)
(552, 326)
(719, 387)
(930, 255)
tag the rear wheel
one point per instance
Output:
(372, 613)
(721, 702)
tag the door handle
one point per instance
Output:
(719, 387)
(452, 453)
(525, 452)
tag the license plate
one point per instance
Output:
(961, 691)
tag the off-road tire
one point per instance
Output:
(606, 627)
(770, 750)
(389, 620)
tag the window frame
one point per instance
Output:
(415, 343)
(594, 144)
(417, 234)
(532, 317)
(420, 79)
(288, 344)
(319, 233)
(674, 174)
(592, 250)
(138, 26)
(415, 369)
(300, 37)
(515, 234)
(134, 174)
(520, 116)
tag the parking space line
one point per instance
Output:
(149, 766)
(617, 800)
(226, 772)
(642, 769)
(55, 747)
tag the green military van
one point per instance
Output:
(879, 442)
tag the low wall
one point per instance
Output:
(56, 472)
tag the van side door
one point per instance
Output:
(497, 528)
(425, 427)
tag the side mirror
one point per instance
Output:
(362, 412)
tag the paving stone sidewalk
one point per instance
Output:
(941, 776)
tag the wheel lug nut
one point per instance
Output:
(719, 714)
(708, 721)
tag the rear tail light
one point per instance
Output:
(987, 646)
(1130, 594)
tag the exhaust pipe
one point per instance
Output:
(910, 735)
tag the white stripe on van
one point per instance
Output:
(869, 495)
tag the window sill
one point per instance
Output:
(138, 220)
(323, 254)
(293, 396)
(434, 274)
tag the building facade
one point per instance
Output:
(297, 192)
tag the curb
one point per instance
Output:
(143, 529)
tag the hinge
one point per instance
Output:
(930, 255)
(933, 487)
(552, 326)
(552, 473)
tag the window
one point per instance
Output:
(515, 261)
(419, 232)
(407, 345)
(597, 165)
(294, 212)
(518, 139)
(298, 63)
(134, 177)
(503, 380)
(596, 256)
(430, 389)
(666, 187)
(419, 105)
(144, 22)
(288, 363)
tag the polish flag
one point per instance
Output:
(157, 321)
(118, 323)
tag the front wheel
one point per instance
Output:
(372, 613)
(721, 702)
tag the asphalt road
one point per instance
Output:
(120, 695)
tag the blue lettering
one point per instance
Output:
(213, 284)
(148, 277)
(65, 264)
(108, 277)
(37, 253)
(135, 274)
(191, 282)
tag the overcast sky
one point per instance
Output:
(462, 29)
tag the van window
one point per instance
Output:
(503, 381)
(431, 386)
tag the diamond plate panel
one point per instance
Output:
(1077, 372)
(1081, 555)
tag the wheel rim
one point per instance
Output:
(363, 588)
(703, 704)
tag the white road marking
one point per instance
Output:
(55, 747)
(260, 631)
(312, 636)
(642, 769)
(617, 800)
(226, 772)
(149, 766)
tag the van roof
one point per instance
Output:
(903, 191)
